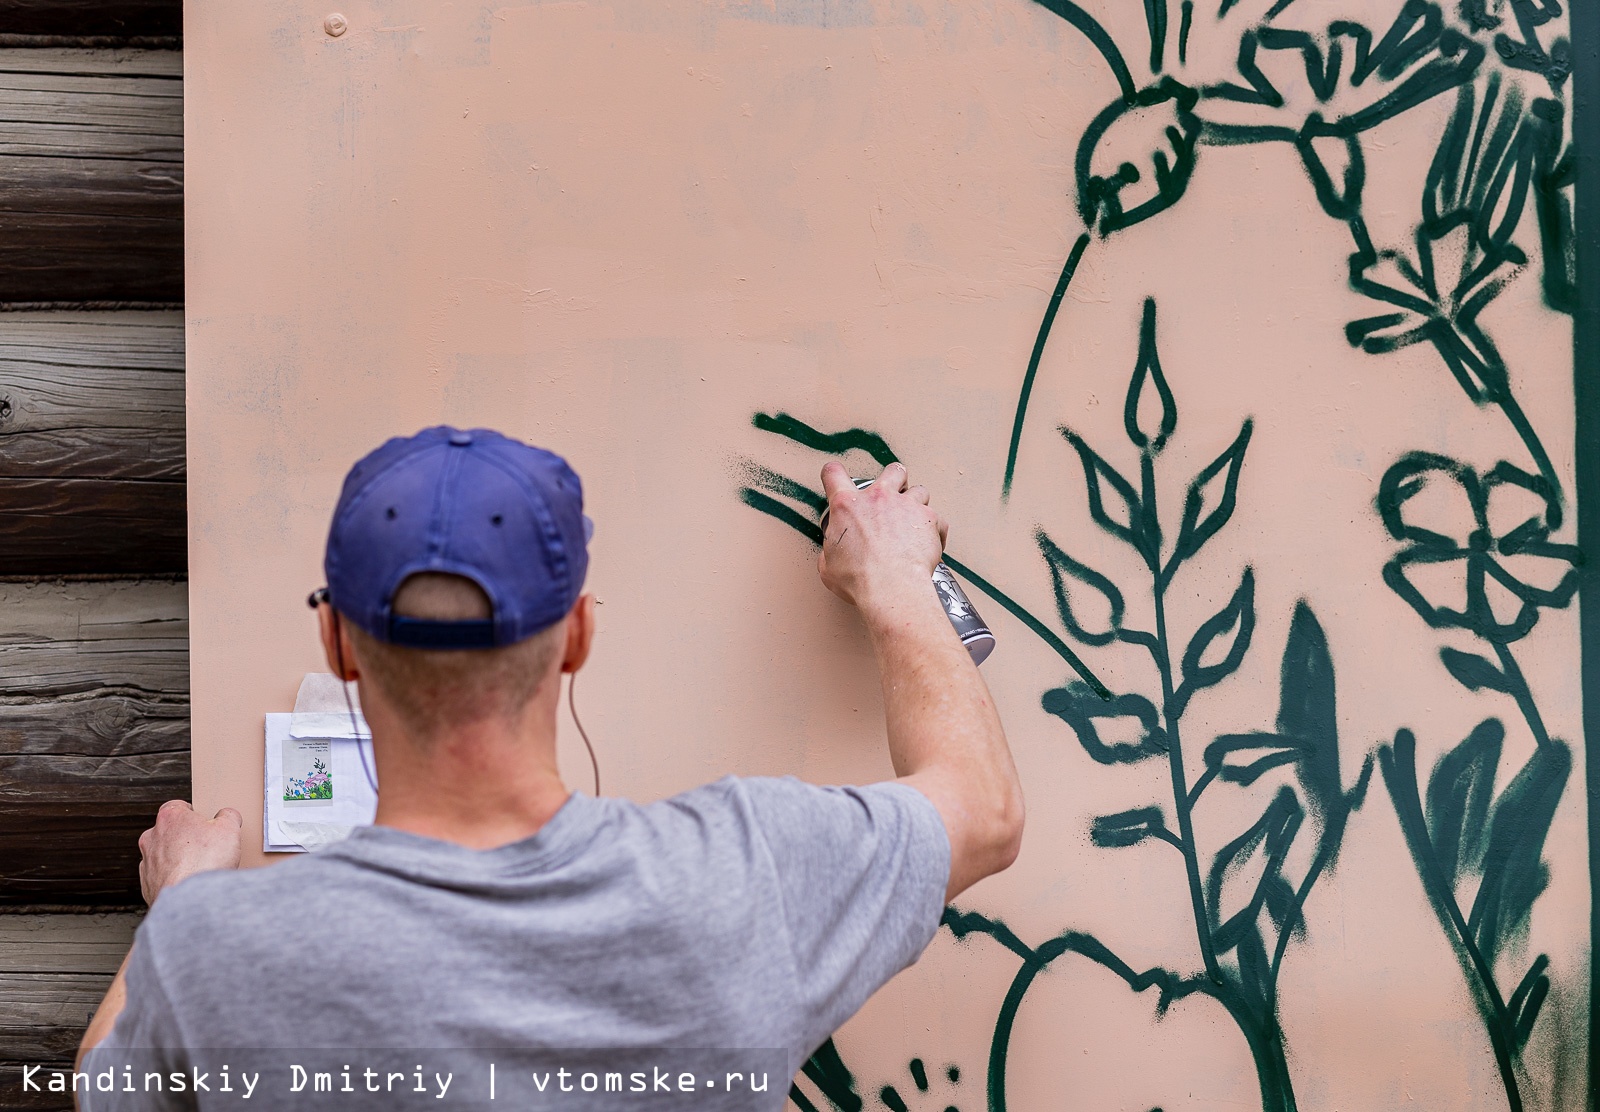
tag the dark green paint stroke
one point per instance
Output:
(765, 478)
(892, 1099)
(1171, 987)
(919, 1074)
(832, 1077)
(807, 528)
(1460, 835)
(1067, 271)
(1585, 298)
(962, 923)
(1240, 969)
(786, 514)
(1155, 18)
(1098, 37)
(1185, 22)
(1100, 197)
(1039, 629)
(836, 443)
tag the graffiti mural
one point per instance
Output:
(1481, 549)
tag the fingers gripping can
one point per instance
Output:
(969, 626)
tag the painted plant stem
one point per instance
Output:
(1035, 626)
(1464, 347)
(1508, 405)
(1399, 772)
(1182, 802)
(1522, 693)
(1074, 257)
(1241, 944)
(1457, 830)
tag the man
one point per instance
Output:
(489, 906)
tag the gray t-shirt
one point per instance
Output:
(749, 913)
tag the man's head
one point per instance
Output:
(455, 564)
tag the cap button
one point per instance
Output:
(461, 439)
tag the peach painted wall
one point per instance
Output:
(624, 229)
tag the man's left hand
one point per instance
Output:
(181, 843)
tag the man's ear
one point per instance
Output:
(580, 634)
(336, 644)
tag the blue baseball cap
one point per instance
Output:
(467, 502)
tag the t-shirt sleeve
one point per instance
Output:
(146, 1039)
(862, 873)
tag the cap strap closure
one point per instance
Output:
(422, 633)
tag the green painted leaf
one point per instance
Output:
(1473, 672)
(1068, 576)
(1308, 711)
(1125, 522)
(1283, 904)
(1230, 627)
(1255, 969)
(1270, 835)
(1514, 872)
(1245, 758)
(1525, 1003)
(1080, 707)
(1129, 828)
(1459, 791)
(1147, 372)
(1211, 498)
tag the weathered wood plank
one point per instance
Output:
(93, 944)
(53, 971)
(91, 443)
(93, 733)
(102, 113)
(87, 230)
(103, 725)
(66, 851)
(93, 18)
(92, 396)
(79, 62)
(91, 177)
(89, 526)
(42, 1015)
(151, 778)
(13, 1098)
(50, 999)
(61, 638)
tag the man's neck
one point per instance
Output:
(481, 785)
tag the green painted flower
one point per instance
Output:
(1489, 535)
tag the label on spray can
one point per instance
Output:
(958, 607)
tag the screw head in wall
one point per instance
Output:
(335, 25)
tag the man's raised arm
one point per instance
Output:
(945, 737)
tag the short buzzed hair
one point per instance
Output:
(434, 688)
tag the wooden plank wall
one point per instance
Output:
(94, 715)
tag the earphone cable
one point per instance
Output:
(344, 686)
(572, 705)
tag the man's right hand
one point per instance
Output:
(880, 540)
(945, 737)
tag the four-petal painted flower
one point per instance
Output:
(1491, 531)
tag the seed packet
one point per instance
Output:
(307, 772)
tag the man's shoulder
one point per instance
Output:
(791, 796)
(229, 903)
(785, 807)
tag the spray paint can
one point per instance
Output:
(969, 626)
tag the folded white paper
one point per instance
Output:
(321, 781)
